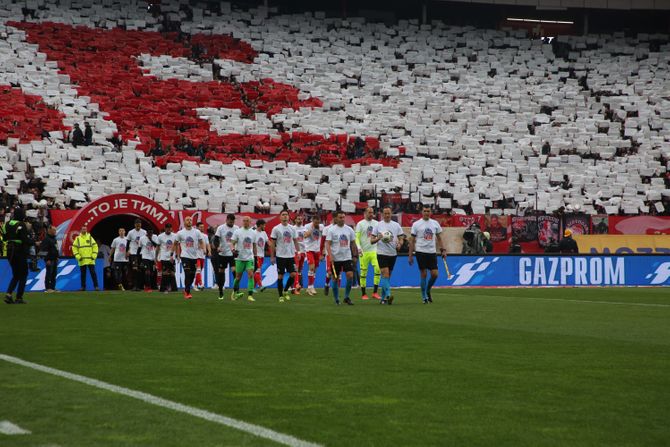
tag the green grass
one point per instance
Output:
(479, 367)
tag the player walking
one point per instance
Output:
(134, 255)
(368, 257)
(283, 247)
(389, 237)
(341, 248)
(119, 258)
(424, 239)
(222, 239)
(202, 257)
(300, 255)
(313, 235)
(165, 255)
(244, 242)
(148, 245)
(188, 241)
(261, 243)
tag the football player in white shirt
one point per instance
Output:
(202, 257)
(133, 237)
(283, 247)
(222, 240)
(148, 245)
(425, 240)
(341, 248)
(300, 255)
(368, 251)
(389, 237)
(165, 256)
(244, 242)
(189, 241)
(119, 258)
(261, 243)
(313, 236)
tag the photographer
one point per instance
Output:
(473, 241)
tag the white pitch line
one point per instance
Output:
(253, 429)
(617, 303)
(7, 428)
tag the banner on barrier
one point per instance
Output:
(639, 224)
(467, 271)
(67, 279)
(538, 271)
(623, 244)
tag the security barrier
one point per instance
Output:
(467, 271)
(68, 278)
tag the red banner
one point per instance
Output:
(460, 220)
(577, 223)
(59, 217)
(548, 230)
(639, 224)
(408, 219)
(497, 226)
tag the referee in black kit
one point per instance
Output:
(18, 243)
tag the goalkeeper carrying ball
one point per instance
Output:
(368, 251)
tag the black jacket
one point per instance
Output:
(17, 238)
(568, 245)
(77, 138)
(88, 135)
(50, 248)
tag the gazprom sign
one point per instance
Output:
(555, 271)
(559, 270)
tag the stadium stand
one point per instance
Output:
(237, 110)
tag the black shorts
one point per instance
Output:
(285, 265)
(343, 266)
(148, 264)
(426, 261)
(386, 261)
(188, 265)
(120, 265)
(225, 261)
(167, 267)
(135, 261)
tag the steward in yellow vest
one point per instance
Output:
(85, 251)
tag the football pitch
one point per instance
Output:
(478, 367)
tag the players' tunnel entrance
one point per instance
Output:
(104, 216)
(107, 229)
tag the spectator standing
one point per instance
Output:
(568, 244)
(49, 248)
(88, 134)
(515, 247)
(77, 136)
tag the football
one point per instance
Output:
(387, 236)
